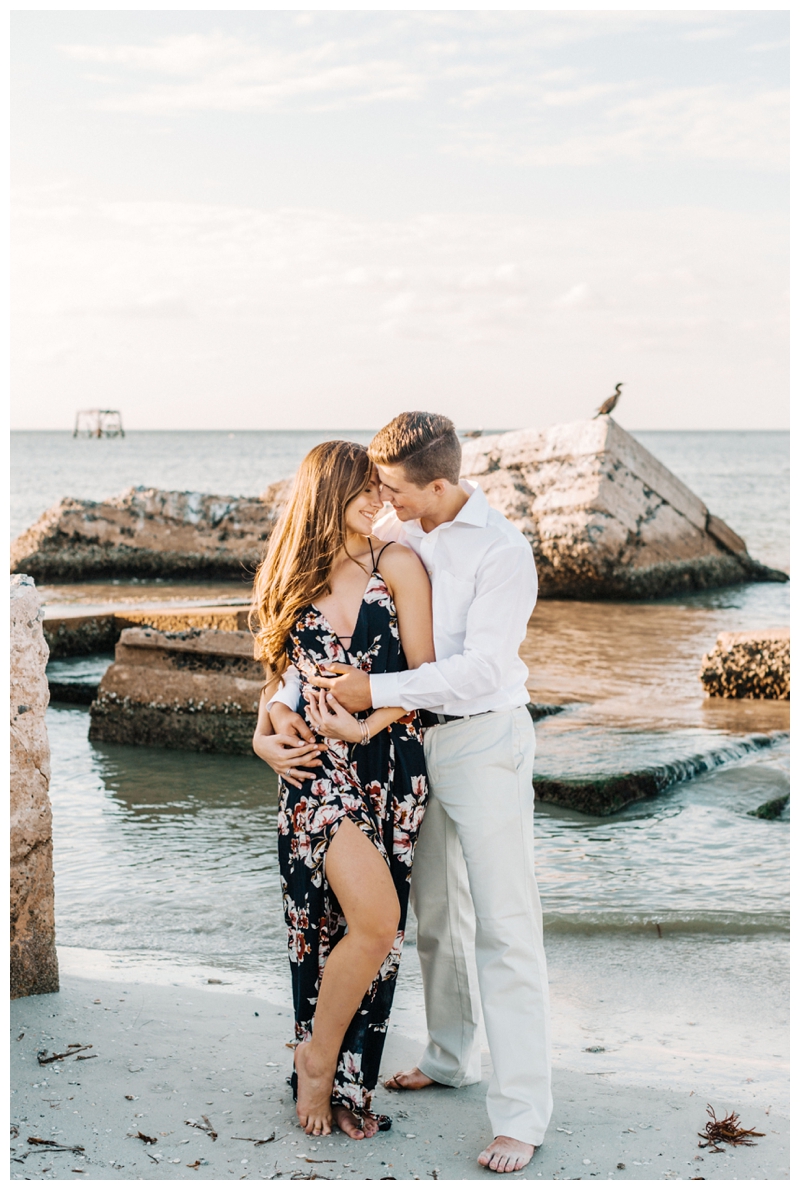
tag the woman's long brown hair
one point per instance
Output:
(309, 534)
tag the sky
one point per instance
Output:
(283, 219)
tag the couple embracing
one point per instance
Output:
(391, 605)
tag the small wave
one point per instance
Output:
(606, 792)
(671, 922)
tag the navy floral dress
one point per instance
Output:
(382, 788)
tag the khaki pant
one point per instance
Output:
(474, 893)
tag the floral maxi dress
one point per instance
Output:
(382, 788)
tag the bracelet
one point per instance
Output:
(364, 728)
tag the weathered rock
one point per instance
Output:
(34, 964)
(605, 518)
(197, 689)
(772, 809)
(75, 635)
(149, 533)
(748, 665)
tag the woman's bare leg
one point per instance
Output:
(360, 878)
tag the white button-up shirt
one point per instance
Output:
(484, 589)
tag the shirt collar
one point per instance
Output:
(476, 509)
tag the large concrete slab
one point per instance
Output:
(197, 689)
(605, 518)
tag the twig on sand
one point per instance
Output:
(725, 1131)
(148, 1140)
(55, 1146)
(43, 1059)
(256, 1141)
(206, 1126)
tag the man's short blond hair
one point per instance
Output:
(426, 444)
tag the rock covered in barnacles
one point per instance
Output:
(748, 665)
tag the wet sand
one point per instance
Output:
(166, 1055)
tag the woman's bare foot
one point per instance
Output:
(351, 1125)
(313, 1093)
(409, 1080)
(506, 1155)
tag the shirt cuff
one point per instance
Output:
(287, 695)
(385, 690)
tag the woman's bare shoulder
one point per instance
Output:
(398, 561)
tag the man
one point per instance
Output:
(473, 886)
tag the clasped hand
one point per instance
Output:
(330, 718)
(349, 684)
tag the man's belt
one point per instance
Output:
(432, 718)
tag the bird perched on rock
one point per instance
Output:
(611, 401)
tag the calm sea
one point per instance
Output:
(166, 862)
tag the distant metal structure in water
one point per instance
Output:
(98, 423)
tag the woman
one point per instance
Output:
(328, 591)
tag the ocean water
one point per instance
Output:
(166, 862)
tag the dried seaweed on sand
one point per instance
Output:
(725, 1131)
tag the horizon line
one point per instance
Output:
(374, 429)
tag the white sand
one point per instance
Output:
(168, 1054)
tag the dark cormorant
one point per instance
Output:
(611, 401)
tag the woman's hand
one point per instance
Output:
(331, 719)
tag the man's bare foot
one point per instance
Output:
(313, 1094)
(506, 1155)
(409, 1080)
(351, 1125)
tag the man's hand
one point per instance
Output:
(288, 722)
(351, 689)
(293, 752)
(281, 755)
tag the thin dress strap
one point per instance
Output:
(372, 555)
(376, 561)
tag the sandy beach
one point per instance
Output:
(178, 1063)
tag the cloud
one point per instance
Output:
(579, 297)
(219, 72)
(278, 316)
(692, 123)
(501, 77)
